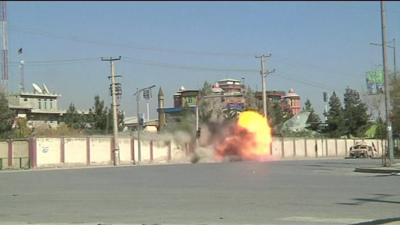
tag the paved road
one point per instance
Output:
(281, 192)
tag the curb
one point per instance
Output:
(377, 170)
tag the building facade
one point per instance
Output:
(233, 93)
(39, 107)
(290, 101)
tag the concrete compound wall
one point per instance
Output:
(4, 155)
(14, 154)
(20, 154)
(75, 151)
(68, 152)
(312, 148)
(48, 151)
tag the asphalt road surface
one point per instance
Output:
(281, 192)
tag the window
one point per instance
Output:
(189, 100)
(40, 103)
(45, 103)
(51, 103)
(25, 99)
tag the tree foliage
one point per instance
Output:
(21, 129)
(250, 99)
(395, 102)
(335, 118)
(313, 120)
(6, 115)
(99, 114)
(210, 109)
(355, 114)
(73, 119)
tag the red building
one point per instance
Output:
(292, 100)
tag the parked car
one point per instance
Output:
(362, 150)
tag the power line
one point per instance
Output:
(152, 49)
(173, 66)
(186, 67)
(59, 61)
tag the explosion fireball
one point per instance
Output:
(249, 138)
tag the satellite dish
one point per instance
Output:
(46, 90)
(37, 88)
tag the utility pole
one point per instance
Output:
(387, 91)
(114, 106)
(263, 77)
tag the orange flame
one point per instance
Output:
(250, 138)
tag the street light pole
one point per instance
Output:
(138, 91)
(139, 126)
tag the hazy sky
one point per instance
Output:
(315, 46)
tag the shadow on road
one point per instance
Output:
(378, 198)
(380, 221)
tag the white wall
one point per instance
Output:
(100, 150)
(48, 151)
(300, 147)
(4, 154)
(75, 150)
(288, 147)
(124, 150)
(277, 147)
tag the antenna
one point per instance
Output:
(36, 88)
(4, 47)
(46, 90)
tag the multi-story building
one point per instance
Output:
(39, 106)
(292, 100)
(232, 91)
(289, 101)
(185, 98)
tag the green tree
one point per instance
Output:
(395, 103)
(6, 115)
(313, 120)
(335, 119)
(250, 99)
(73, 119)
(205, 111)
(21, 129)
(110, 121)
(380, 131)
(275, 117)
(99, 116)
(209, 108)
(275, 114)
(355, 113)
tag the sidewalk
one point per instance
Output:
(395, 168)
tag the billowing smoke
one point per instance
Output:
(247, 138)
